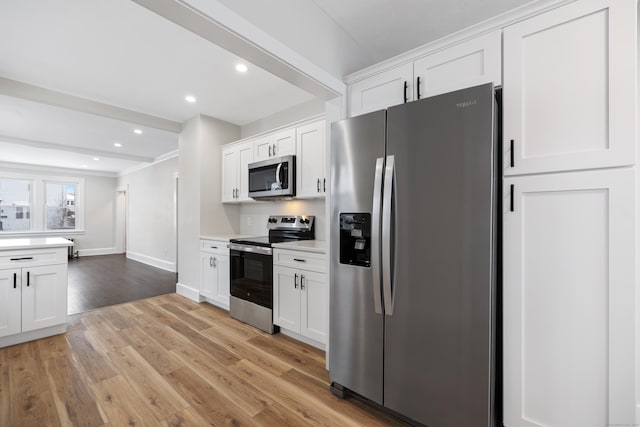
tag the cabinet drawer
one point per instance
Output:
(300, 260)
(214, 247)
(32, 257)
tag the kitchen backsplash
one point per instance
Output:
(253, 216)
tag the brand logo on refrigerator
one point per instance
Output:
(466, 104)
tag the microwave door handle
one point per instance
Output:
(278, 181)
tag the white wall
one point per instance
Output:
(200, 210)
(99, 192)
(151, 212)
(282, 118)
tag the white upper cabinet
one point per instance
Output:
(467, 64)
(235, 172)
(570, 87)
(382, 90)
(275, 145)
(311, 179)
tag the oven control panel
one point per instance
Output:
(290, 222)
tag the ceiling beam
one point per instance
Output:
(46, 96)
(75, 149)
(214, 22)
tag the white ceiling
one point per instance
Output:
(121, 54)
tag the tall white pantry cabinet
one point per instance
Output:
(570, 293)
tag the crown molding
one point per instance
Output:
(159, 159)
(55, 170)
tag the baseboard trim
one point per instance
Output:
(154, 262)
(188, 292)
(98, 251)
(33, 335)
(297, 336)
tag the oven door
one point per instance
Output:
(252, 274)
(272, 178)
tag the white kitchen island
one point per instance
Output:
(33, 288)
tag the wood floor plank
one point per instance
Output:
(157, 356)
(308, 407)
(297, 359)
(246, 351)
(206, 400)
(51, 347)
(159, 397)
(121, 404)
(140, 364)
(5, 389)
(245, 395)
(74, 400)
(187, 418)
(205, 344)
(184, 316)
(31, 397)
(95, 364)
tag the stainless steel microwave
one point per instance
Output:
(273, 178)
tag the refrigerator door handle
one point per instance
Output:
(375, 236)
(387, 235)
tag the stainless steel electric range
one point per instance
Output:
(252, 269)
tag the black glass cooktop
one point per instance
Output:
(265, 241)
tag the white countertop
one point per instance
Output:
(317, 246)
(35, 243)
(226, 237)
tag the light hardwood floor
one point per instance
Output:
(167, 361)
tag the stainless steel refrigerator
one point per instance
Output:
(413, 257)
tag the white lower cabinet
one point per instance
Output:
(34, 297)
(568, 299)
(301, 297)
(214, 272)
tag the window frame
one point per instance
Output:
(30, 206)
(38, 207)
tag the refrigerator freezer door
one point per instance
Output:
(439, 340)
(356, 331)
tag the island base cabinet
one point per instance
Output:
(44, 296)
(10, 301)
(568, 299)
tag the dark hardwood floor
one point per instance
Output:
(100, 281)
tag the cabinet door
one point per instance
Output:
(570, 87)
(208, 277)
(245, 156)
(10, 302)
(44, 296)
(262, 148)
(229, 174)
(314, 305)
(467, 64)
(568, 299)
(286, 298)
(222, 271)
(284, 143)
(391, 87)
(310, 168)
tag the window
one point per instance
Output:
(60, 206)
(39, 204)
(15, 205)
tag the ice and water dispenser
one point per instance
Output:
(355, 239)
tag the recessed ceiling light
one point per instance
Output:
(117, 144)
(241, 68)
(138, 131)
(190, 98)
(96, 158)
(84, 166)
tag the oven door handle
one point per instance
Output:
(249, 248)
